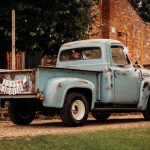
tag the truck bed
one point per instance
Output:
(29, 83)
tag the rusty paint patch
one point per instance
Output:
(107, 69)
(83, 81)
(123, 66)
(108, 88)
(59, 85)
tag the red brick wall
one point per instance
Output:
(121, 16)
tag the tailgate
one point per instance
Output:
(17, 82)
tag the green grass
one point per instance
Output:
(129, 139)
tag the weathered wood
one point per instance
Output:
(13, 41)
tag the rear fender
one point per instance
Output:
(144, 94)
(56, 89)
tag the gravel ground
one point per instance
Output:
(55, 127)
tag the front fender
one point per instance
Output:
(144, 94)
(56, 89)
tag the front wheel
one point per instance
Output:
(21, 112)
(75, 109)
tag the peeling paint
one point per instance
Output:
(82, 81)
(107, 69)
(59, 85)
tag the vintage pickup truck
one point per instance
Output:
(93, 75)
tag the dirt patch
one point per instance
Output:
(55, 127)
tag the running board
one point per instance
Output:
(116, 110)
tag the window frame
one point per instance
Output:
(127, 61)
(81, 50)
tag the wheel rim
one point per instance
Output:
(78, 110)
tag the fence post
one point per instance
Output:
(13, 40)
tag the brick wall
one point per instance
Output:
(120, 16)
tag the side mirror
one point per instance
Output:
(137, 65)
(126, 50)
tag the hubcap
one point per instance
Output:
(78, 110)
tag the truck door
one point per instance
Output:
(126, 78)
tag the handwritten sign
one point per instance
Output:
(12, 87)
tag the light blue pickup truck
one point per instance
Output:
(93, 75)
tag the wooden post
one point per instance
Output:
(13, 41)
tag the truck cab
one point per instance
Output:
(110, 57)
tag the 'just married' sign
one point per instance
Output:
(12, 87)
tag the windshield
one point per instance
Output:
(80, 54)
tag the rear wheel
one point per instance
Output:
(75, 109)
(21, 112)
(101, 116)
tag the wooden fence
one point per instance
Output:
(18, 60)
(22, 62)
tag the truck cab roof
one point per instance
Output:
(88, 42)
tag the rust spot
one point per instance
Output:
(108, 88)
(107, 69)
(123, 66)
(59, 85)
(82, 81)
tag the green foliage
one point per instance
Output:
(43, 25)
(143, 8)
(125, 139)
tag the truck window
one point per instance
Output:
(80, 54)
(118, 56)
